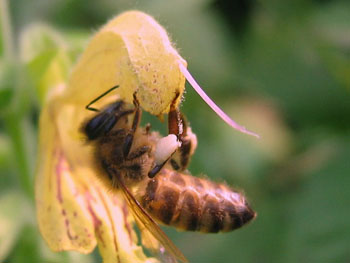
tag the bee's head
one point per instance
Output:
(104, 121)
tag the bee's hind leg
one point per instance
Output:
(156, 169)
(178, 126)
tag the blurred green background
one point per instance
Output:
(280, 68)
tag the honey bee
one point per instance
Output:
(135, 159)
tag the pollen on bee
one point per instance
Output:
(165, 147)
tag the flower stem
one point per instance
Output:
(16, 122)
(6, 29)
(17, 127)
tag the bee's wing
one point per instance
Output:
(150, 242)
(146, 222)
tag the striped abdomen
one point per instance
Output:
(194, 204)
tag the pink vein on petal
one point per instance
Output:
(95, 220)
(69, 234)
(107, 209)
(59, 170)
(212, 104)
(126, 224)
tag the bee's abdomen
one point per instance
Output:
(194, 204)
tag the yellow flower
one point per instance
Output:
(134, 52)
(75, 211)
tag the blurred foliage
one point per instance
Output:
(282, 68)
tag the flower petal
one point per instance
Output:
(134, 52)
(63, 218)
(75, 211)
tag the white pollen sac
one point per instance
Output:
(165, 147)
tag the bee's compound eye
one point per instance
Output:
(99, 125)
(165, 147)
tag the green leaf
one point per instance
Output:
(48, 69)
(7, 82)
(331, 26)
(26, 249)
(38, 38)
(46, 58)
(319, 222)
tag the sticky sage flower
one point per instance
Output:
(134, 52)
(75, 211)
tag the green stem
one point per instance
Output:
(17, 125)
(17, 128)
(9, 51)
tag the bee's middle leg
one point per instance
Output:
(138, 152)
(135, 123)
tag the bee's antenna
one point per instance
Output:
(99, 97)
(212, 104)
